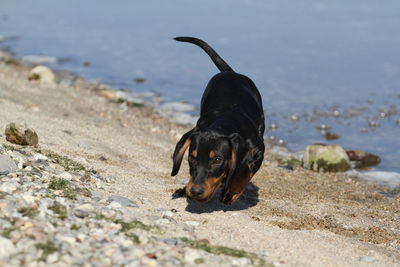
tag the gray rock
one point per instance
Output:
(39, 59)
(7, 165)
(366, 259)
(20, 134)
(83, 210)
(9, 187)
(170, 241)
(327, 158)
(7, 248)
(123, 201)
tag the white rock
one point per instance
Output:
(168, 214)
(9, 187)
(7, 248)
(38, 156)
(42, 73)
(28, 197)
(52, 258)
(192, 223)
(191, 256)
(67, 239)
(65, 175)
(114, 205)
(241, 262)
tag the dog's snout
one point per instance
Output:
(196, 190)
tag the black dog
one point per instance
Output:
(226, 146)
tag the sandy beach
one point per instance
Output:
(295, 217)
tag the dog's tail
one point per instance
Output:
(218, 61)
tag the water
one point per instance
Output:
(335, 63)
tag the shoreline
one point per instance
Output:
(348, 222)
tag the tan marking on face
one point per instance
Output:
(211, 185)
(212, 154)
(194, 153)
(189, 186)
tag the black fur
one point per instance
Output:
(231, 114)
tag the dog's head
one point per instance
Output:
(213, 158)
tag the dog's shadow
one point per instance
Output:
(248, 199)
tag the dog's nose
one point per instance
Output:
(196, 190)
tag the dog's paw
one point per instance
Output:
(179, 193)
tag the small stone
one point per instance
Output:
(9, 187)
(273, 126)
(331, 136)
(38, 156)
(336, 113)
(241, 262)
(7, 249)
(366, 259)
(192, 223)
(114, 205)
(43, 74)
(7, 165)
(65, 175)
(191, 256)
(373, 124)
(323, 127)
(28, 197)
(294, 117)
(20, 134)
(170, 241)
(123, 201)
(168, 214)
(363, 159)
(84, 210)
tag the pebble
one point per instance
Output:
(191, 256)
(366, 259)
(114, 205)
(7, 248)
(123, 201)
(192, 223)
(42, 74)
(7, 165)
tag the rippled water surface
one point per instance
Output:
(332, 64)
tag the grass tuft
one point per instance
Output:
(47, 249)
(67, 163)
(225, 251)
(28, 212)
(60, 210)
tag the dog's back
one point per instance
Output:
(229, 91)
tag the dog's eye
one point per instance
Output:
(217, 160)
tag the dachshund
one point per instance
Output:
(226, 147)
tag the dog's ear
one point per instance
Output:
(237, 145)
(180, 150)
(255, 154)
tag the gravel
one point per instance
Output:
(51, 216)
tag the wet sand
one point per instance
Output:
(296, 217)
